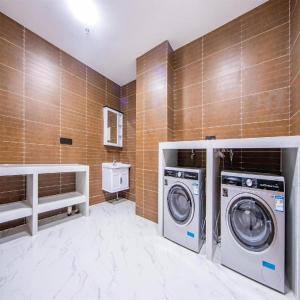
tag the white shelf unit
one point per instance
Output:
(53, 202)
(290, 147)
(33, 206)
(15, 210)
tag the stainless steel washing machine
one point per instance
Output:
(253, 226)
(184, 206)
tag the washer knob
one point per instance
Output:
(249, 182)
(179, 174)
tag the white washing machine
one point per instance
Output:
(184, 206)
(253, 226)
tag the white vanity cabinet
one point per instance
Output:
(115, 177)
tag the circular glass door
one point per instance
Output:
(180, 204)
(251, 223)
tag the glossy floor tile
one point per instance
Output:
(114, 254)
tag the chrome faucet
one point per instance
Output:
(114, 162)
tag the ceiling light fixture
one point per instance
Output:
(85, 11)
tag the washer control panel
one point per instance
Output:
(182, 174)
(254, 183)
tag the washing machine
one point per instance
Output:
(253, 226)
(184, 206)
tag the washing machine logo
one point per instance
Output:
(268, 265)
(279, 202)
(190, 234)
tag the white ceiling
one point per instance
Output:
(127, 29)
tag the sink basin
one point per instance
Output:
(117, 165)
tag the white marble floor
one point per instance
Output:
(114, 254)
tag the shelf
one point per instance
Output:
(261, 142)
(14, 211)
(49, 203)
(32, 206)
(26, 169)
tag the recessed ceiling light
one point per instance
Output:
(85, 11)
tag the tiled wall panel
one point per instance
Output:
(233, 82)
(241, 88)
(46, 94)
(154, 123)
(128, 154)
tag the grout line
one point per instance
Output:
(11, 68)
(194, 106)
(86, 115)
(24, 109)
(296, 40)
(20, 47)
(11, 92)
(202, 89)
(189, 85)
(241, 82)
(296, 3)
(221, 50)
(60, 115)
(231, 46)
(261, 33)
(265, 61)
(48, 145)
(143, 177)
(233, 71)
(295, 77)
(42, 102)
(69, 72)
(155, 108)
(59, 106)
(72, 92)
(292, 116)
(265, 91)
(61, 70)
(277, 120)
(14, 190)
(190, 63)
(23, 98)
(289, 125)
(152, 69)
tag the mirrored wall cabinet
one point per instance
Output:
(113, 127)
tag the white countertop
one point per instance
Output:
(262, 142)
(27, 169)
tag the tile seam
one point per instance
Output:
(202, 87)
(289, 125)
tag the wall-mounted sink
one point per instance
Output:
(115, 165)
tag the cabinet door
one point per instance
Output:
(124, 179)
(115, 181)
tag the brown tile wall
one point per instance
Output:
(234, 81)
(46, 94)
(154, 116)
(128, 154)
(295, 67)
(248, 160)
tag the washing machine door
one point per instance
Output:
(251, 222)
(180, 204)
